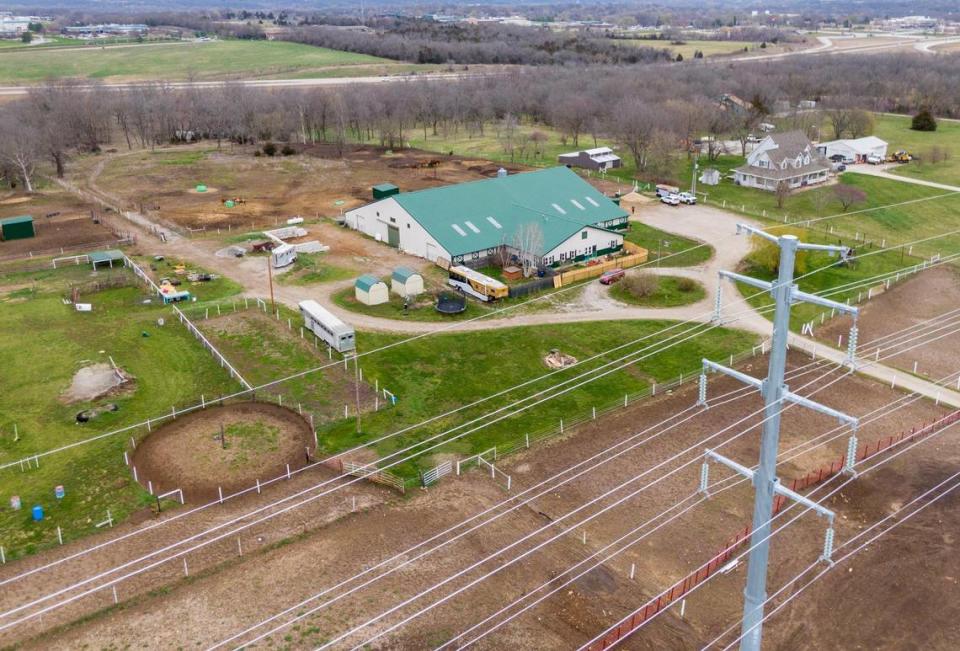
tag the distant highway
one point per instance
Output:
(11, 91)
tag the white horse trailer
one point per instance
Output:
(283, 255)
(318, 320)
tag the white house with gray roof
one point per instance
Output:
(783, 157)
(471, 221)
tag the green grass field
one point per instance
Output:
(829, 274)
(438, 373)
(674, 250)
(210, 60)
(310, 268)
(671, 292)
(900, 223)
(896, 130)
(52, 341)
(263, 349)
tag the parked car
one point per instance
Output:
(839, 167)
(688, 198)
(612, 276)
(670, 199)
(873, 159)
(840, 158)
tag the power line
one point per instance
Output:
(782, 513)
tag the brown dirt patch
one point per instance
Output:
(69, 225)
(94, 381)
(925, 296)
(276, 188)
(187, 452)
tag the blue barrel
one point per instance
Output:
(37, 513)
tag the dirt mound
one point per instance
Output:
(188, 453)
(92, 382)
(557, 359)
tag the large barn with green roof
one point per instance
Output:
(553, 214)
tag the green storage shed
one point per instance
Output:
(17, 228)
(384, 190)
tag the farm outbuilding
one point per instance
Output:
(109, 258)
(710, 176)
(406, 282)
(17, 228)
(370, 290)
(384, 190)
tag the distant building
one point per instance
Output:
(105, 29)
(783, 157)
(854, 150)
(738, 105)
(599, 158)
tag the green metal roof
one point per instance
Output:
(385, 187)
(366, 282)
(19, 219)
(484, 214)
(105, 256)
(402, 274)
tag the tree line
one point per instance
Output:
(654, 113)
(421, 41)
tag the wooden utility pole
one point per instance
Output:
(273, 303)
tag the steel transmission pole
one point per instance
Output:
(775, 394)
(755, 593)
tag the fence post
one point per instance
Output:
(527, 436)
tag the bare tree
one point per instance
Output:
(528, 242)
(782, 191)
(19, 148)
(848, 195)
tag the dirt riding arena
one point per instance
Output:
(60, 222)
(932, 296)
(266, 190)
(264, 583)
(187, 453)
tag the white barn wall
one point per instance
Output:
(374, 219)
(576, 245)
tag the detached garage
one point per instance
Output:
(370, 290)
(17, 228)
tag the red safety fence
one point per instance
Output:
(626, 626)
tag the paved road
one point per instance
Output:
(881, 171)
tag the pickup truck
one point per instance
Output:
(873, 159)
(687, 198)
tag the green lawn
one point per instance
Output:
(310, 268)
(830, 275)
(45, 343)
(896, 130)
(210, 60)
(675, 250)
(672, 291)
(263, 349)
(435, 374)
(896, 224)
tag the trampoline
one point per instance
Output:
(448, 303)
